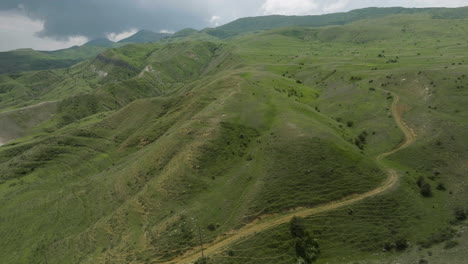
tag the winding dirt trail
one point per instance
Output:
(267, 222)
(28, 107)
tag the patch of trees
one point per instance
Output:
(307, 248)
(291, 92)
(395, 60)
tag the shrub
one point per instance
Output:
(460, 214)
(201, 261)
(296, 227)
(450, 244)
(440, 236)
(420, 182)
(355, 78)
(441, 187)
(401, 244)
(307, 250)
(426, 190)
(424, 187)
(211, 227)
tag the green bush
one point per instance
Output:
(307, 248)
(460, 214)
(424, 187)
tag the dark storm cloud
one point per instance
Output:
(95, 18)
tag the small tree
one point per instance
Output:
(307, 249)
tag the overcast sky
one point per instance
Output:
(55, 24)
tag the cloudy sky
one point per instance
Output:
(55, 24)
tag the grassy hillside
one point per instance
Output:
(145, 36)
(31, 60)
(251, 24)
(145, 147)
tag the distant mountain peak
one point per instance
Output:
(145, 36)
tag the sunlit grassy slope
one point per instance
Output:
(32, 60)
(145, 36)
(146, 143)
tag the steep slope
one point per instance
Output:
(109, 81)
(272, 221)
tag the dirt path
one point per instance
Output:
(267, 222)
(28, 107)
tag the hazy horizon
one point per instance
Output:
(45, 25)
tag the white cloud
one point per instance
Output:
(215, 20)
(119, 36)
(166, 31)
(18, 31)
(289, 7)
(440, 3)
(335, 6)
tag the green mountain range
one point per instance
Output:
(31, 60)
(321, 139)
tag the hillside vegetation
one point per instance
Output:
(132, 155)
(251, 24)
(145, 36)
(21, 60)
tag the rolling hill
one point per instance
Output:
(31, 60)
(251, 24)
(138, 153)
